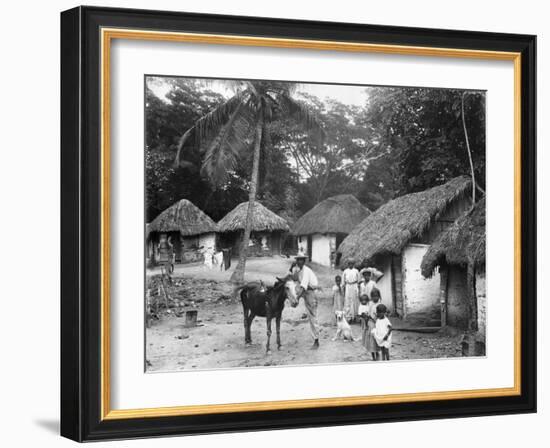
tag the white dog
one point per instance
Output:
(343, 329)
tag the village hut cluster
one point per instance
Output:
(182, 233)
(430, 247)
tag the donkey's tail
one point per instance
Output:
(240, 290)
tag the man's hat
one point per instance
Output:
(373, 271)
(300, 255)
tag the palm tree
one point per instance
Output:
(235, 126)
(472, 171)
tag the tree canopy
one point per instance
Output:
(401, 140)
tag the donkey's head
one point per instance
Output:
(291, 287)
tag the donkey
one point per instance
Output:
(269, 303)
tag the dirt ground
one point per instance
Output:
(218, 339)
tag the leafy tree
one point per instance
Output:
(166, 119)
(421, 134)
(336, 164)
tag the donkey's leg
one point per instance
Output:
(246, 328)
(248, 316)
(251, 317)
(268, 322)
(278, 327)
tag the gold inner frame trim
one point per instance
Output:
(107, 35)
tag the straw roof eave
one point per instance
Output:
(390, 228)
(263, 220)
(462, 244)
(337, 214)
(183, 217)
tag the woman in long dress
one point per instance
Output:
(351, 297)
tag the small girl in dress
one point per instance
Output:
(382, 331)
(337, 296)
(369, 341)
(363, 313)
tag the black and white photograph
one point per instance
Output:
(292, 223)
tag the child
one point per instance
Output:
(337, 296)
(370, 341)
(363, 313)
(366, 284)
(382, 331)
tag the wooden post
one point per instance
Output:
(393, 289)
(444, 275)
(148, 308)
(472, 300)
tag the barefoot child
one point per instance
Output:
(382, 331)
(363, 312)
(370, 342)
(337, 296)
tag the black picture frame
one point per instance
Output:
(81, 224)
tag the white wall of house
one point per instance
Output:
(321, 248)
(384, 284)
(207, 240)
(420, 295)
(481, 295)
(302, 244)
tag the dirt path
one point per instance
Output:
(261, 268)
(218, 340)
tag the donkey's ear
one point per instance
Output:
(279, 279)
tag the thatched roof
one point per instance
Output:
(461, 244)
(392, 226)
(337, 214)
(263, 219)
(184, 217)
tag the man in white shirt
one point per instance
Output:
(308, 284)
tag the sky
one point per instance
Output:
(350, 95)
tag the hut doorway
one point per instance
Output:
(176, 241)
(309, 247)
(421, 295)
(339, 238)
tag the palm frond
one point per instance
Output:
(211, 123)
(223, 152)
(302, 114)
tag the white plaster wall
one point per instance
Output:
(320, 252)
(207, 240)
(481, 301)
(302, 244)
(420, 294)
(384, 284)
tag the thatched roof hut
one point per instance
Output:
(337, 214)
(388, 230)
(263, 220)
(461, 244)
(183, 217)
